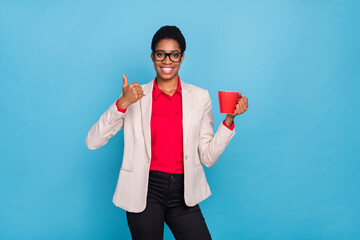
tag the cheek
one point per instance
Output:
(156, 66)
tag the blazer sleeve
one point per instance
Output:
(106, 127)
(212, 145)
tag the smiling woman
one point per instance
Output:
(168, 137)
(167, 58)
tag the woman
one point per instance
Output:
(168, 136)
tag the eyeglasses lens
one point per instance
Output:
(175, 57)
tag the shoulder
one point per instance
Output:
(147, 87)
(200, 96)
(195, 89)
(148, 84)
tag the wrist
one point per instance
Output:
(229, 117)
(229, 120)
(121, 103)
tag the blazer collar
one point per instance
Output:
(156, 90)
(148, 87)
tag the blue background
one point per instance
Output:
(290, 172)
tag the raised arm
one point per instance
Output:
(113, 119)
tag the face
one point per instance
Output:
(166, 69)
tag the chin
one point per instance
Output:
(166, 77)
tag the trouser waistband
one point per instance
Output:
(167, 175)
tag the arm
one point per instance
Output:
(107, 126)
(212, 145)
(113, 119)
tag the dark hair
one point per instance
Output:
(171, 32)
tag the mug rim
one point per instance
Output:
(228, 91)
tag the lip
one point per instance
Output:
(167, 70)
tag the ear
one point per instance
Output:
(182, 58)
(152, 57)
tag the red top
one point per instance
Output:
(166, 131)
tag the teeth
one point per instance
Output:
(166, 68)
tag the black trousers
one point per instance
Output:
(165, 203)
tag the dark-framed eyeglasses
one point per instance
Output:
(161, 56)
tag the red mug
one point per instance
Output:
(227, 101)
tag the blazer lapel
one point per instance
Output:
(146, 107)
(187, 107)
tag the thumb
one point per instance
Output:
(125, 83)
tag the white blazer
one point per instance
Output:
(200, 145)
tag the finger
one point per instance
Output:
(138, 95)
(125, 83)
(242, 107)
(246, 102)
(138, 87)
(135, 84)
(134, 91)
(245, 108)
(237, 109)
(243, 102)
(139, 91)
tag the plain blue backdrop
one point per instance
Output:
(290, 172)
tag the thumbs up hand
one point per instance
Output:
(131, 93)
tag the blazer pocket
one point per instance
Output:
(197, 162)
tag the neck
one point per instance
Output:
(167, 85)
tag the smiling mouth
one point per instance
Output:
(167, 70)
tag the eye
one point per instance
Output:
(159, 54)
(176, 55)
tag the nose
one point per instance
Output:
(167, 60)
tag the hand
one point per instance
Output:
(240, 108)
(131, 93)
